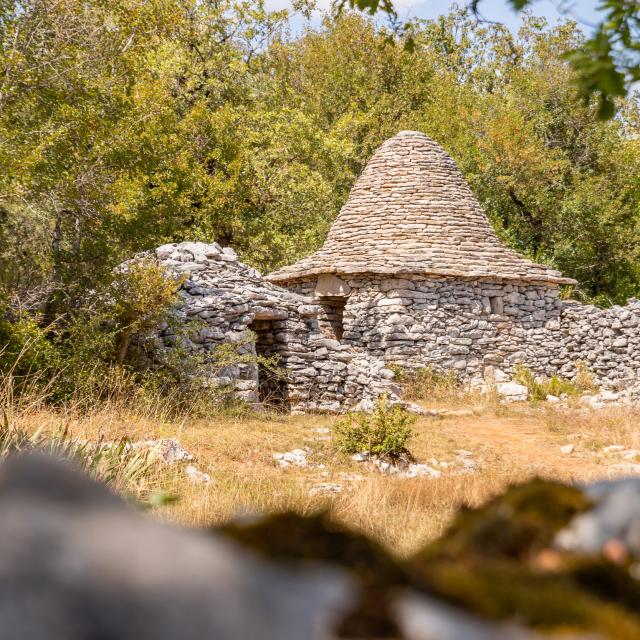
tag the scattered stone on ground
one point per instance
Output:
(567, 449)
(512, 392)
(296, 458)
(325, 488)
(170, 450)
(195, 475)
(613, 448)
(405, 467)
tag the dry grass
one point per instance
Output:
(510, 444)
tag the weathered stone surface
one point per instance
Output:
(77, 563)
(330, 285)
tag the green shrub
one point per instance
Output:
(84, 356)
(138, 299)
(27, 349)
(383, 433)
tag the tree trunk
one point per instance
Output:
(123, 346)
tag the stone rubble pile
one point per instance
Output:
(224, 300)
(171, 452)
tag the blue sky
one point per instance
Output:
(499, 10)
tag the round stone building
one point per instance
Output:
(412, 270)
(411, 274)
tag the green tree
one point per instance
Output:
(606, 64)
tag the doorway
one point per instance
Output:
(334, 310)
(272, 382)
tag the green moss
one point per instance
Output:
(505, 590)
(294, 538)
(524, 519)
(485, 564)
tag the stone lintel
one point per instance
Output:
(331, 286)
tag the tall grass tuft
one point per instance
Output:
(132, 471)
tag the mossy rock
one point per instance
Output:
(486, 563)
(523, 520)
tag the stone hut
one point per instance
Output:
(413, 273)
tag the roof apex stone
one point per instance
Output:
(411, 212)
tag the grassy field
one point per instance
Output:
(507, 444)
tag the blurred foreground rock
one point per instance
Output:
(544, 560)
(77, 563)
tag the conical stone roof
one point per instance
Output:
(412, 212)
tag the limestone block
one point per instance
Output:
(330, 285)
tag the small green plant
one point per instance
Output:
(383, 433)
(540, 388)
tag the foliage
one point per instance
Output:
(80, 355)
(26, 349)
(211, 123)
(383, 433)
(139, 299)
(606, 65)
(540, 388)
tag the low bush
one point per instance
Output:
(383, 433)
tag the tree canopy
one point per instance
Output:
(606, 64)
(125, 125)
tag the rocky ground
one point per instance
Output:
(471, 450)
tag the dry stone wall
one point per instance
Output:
(335, 353)
(469, 325)
(607, 340)
(223, 300)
